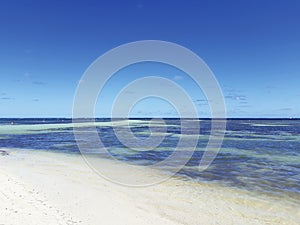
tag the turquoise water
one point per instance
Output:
(257, 155)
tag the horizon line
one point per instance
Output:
(206, 118)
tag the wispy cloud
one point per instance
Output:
(81, 81)
(128, 92)
(178, 77)
(6, 98)
(235, 96)
(36, 100)
(201, 102)
(39, 83)
(286, 109)
(238, 98)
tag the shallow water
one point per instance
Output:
(257, 155)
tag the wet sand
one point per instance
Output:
(54, 188)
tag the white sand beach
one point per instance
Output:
(54, 188)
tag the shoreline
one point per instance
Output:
(67, 191)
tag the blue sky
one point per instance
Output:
(253, 48)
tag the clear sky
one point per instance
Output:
(252, 46)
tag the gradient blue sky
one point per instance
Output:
(253, 48)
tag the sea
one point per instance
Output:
(258, 155)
